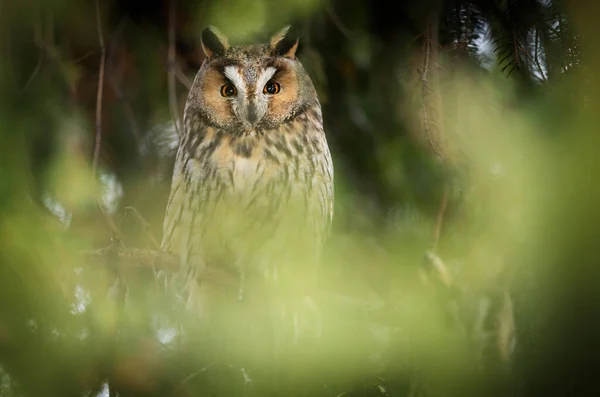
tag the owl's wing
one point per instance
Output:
(195, 190)
(325, 188)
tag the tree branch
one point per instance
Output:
(431, 105)
(425, 74)
(114, 84)
(171, 67)
(37, 39)
(100, 90)
(440, 219)
(441, 270)
(155, 260)
(337, 21)
(144, 223)
(183, 79)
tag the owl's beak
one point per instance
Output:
(253, 114)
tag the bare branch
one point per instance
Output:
(337, 21)
(433, 126)
(179, 74)
(440, 218)
(182, 78)
(37, 39)
(114, 84)
(49, 36)
(425, 72)
(132, 257)
(100, 90)
(84, 56)
(140, 218)
(155, 260)
(129, 113)
(5, 38)
(37, 69)
(170, 66)
(440, 268)
(115, 231)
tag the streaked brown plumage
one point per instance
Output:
(252, 186)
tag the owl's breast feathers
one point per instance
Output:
(250, 194)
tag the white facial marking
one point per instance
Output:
(234, 75)
(264, 77)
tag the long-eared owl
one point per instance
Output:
(252, 188)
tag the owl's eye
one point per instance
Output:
(228, 90)
(272, 88)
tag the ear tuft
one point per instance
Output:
(214, 42)
(285, 43)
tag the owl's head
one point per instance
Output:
(252, 87)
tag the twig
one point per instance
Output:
(425, 70)
(179, 74)
(129, 113)
(84, 56)
(140, 218)
(100, 90)
(170, 65)
(49, 36)
(436, 142)
(37, 39)
(37, 69)
(157, 260)
(431, 256)
(182, 78)
(414, 39)
(440, 219)
(337, 21)
(5, 39)
(193, 375)
(132, 257)
(46, 43)
(116, 235)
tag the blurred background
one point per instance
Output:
(463, 259)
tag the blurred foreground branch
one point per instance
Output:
(154, 260)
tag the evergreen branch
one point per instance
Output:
(536, 56)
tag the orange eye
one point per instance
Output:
(228, 90)
(272, 88)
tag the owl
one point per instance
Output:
(253, 185)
